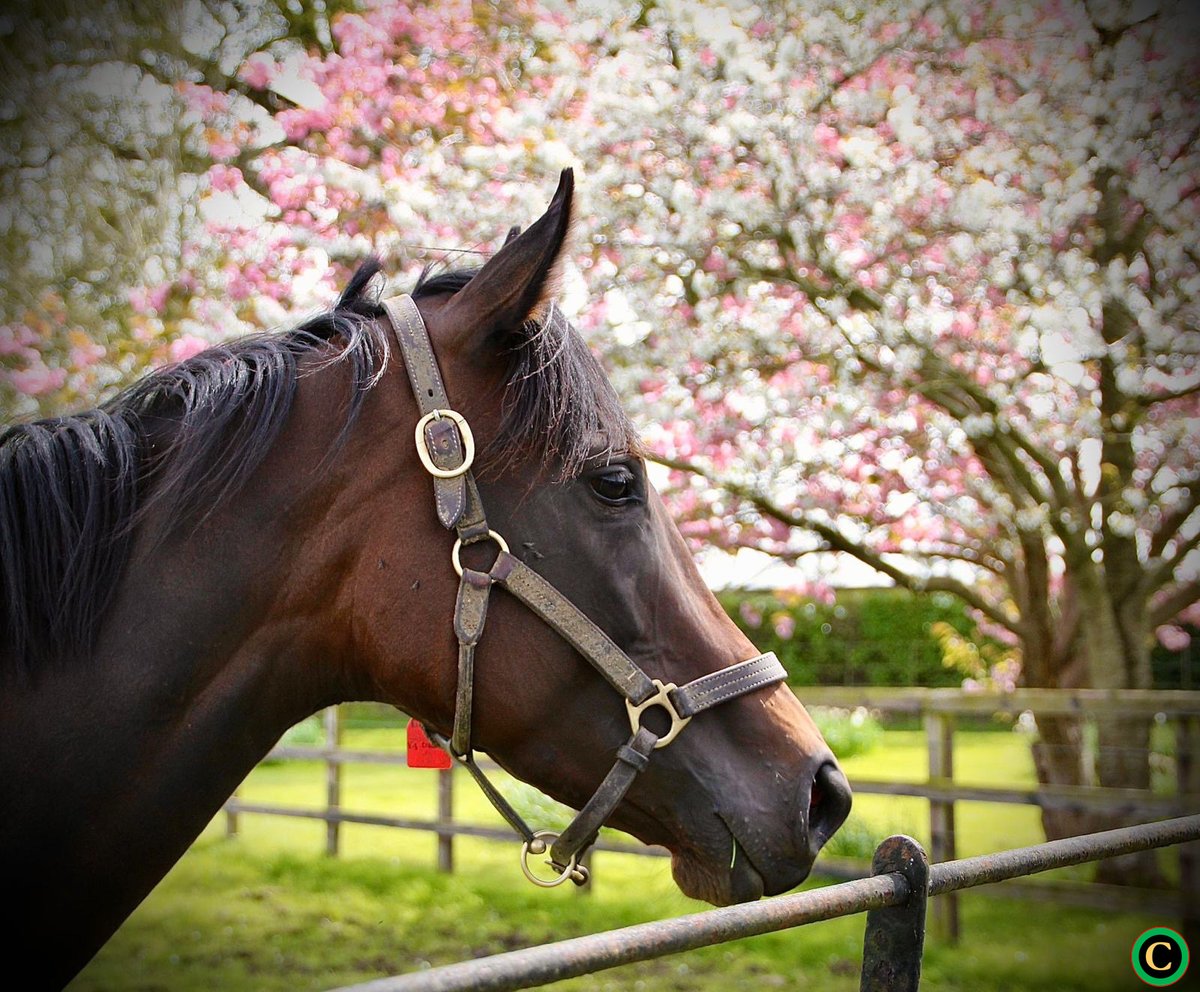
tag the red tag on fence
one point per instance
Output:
(422, 752)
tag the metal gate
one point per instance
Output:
(894, 898)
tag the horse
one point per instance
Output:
(244, 538)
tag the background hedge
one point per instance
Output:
(874, 636)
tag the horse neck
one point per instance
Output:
(218, 638)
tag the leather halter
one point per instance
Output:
(446, 448)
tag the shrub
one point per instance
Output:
(866, 637)
(847, 732)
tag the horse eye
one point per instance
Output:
(614, 485)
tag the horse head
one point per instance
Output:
(251, 535)
(748, 793)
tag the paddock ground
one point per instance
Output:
(268, 911)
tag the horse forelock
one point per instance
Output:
(175, 444)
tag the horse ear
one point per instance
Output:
(518, 282)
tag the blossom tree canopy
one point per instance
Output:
(942, 262)
(101, 162)
(912, 281)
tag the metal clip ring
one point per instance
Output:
(468, 440)
(661, 698)
(456, 561)
(538, 846)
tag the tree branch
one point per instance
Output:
(1166, 396)
(1175, 603)
(837, 541)
(991, 563)
(1175, 519)
(1162, 574)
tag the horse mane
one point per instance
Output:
(180, 440)
(185, 438)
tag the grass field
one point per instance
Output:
(268, 911)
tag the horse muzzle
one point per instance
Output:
(761, 852)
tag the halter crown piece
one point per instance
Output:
(447, 448)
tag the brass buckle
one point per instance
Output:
(574, 871)
(661, 698)
(464, 431)
(457, 549)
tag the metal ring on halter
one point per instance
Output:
(468, 440)
(661, 698)
(538, 846)
(457, 550)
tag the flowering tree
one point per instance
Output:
(943, 257)
(912, 281)
(105, 161)
(378, 148)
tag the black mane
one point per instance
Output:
(186, 437)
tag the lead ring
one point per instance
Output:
(464, 431)
(456, 551)
(567, 872)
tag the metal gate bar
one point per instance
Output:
(891, 888)
(545, 963)
(985, 869)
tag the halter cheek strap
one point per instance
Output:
(447, 448)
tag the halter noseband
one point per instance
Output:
(447, 449)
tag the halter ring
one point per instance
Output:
(464, 431)
(457, 550)
(661, 698)
(538, 846)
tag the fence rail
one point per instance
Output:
(894, 897)
(939, 710)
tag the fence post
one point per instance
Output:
(333, 779)
(1187, 783)
(445, 819)
(231, 818)
(939, 735)
(894, 940)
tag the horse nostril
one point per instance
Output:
(828, 805)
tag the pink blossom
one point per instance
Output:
(15, 339)
(258, 70)
(1173, 637)
(828, 139)
(222, 147)
(38, 380)
(755, 357)
(185, 346)
(86, 354)
(224, 178)
(751, 616)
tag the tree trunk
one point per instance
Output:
(1123, 762)
(1117, 645)
(1059, 758)
(1059, 753)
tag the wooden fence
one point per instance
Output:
(939, 711)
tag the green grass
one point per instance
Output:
(989, 758)
(268, 911)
